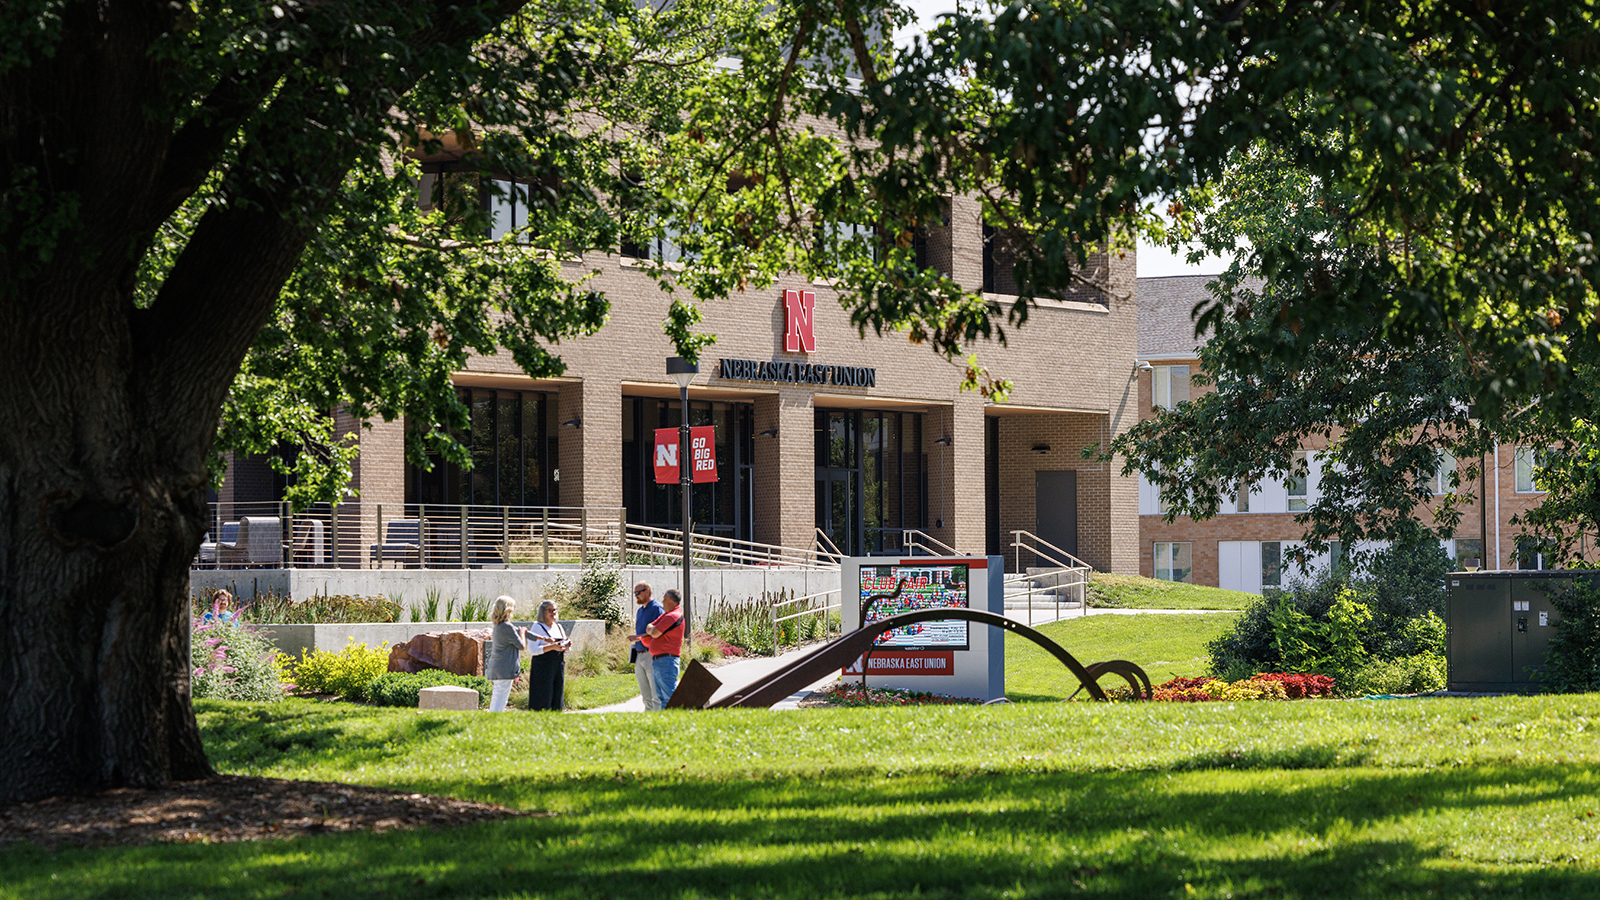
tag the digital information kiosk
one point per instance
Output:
(957, 658)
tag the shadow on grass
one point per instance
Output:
(863, 833)
(265, 735)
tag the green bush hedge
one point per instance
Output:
(345, 673)
(404, 688)
(1572, 663)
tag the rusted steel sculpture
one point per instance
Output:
(839, 653)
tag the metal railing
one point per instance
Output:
(357, 535)
(650, 545)
(915, 540)
(1061, 569)
(440, 536)
(823, 611)
(824, 547)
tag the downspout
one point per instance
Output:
(1497, 505)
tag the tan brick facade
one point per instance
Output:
(1504, 503)
(1072, 365)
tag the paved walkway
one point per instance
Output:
(735, 675)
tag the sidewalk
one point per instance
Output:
(738, 674)
(735, 675)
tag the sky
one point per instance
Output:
(1153, 261)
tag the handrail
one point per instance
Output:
(1017, 543)
(927, 542)
(716, 549)
(772, 605)
(822, 544)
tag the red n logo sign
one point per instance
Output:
(798, 307)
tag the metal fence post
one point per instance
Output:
(505, 537)
(381, 541)
(422, 535)
(463, 536)
(583, 537)
(286, 516)
(333, 528)
(544, 533)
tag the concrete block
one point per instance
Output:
(447, 697)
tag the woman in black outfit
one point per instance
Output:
(548, 645)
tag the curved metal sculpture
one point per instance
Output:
(839, 653)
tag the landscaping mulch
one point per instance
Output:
(233, 808)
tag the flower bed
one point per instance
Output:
(1265, 686)
(852, 694)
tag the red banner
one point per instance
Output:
(702, 454)
(907, 662)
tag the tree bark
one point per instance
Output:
(108, 412)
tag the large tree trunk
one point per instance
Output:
(102, 505)
(108, 411)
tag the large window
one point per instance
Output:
(513, 446)
(1173, 561)
(871, 471)
(1271, 564)
(1169, 386)
(1526, 464)
(1444, 471)
(1297, 484)
(723, 507)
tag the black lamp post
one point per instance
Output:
(683, 372)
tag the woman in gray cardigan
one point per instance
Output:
(505, 651)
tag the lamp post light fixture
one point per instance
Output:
(683, 372)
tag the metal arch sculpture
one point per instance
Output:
(766, 691)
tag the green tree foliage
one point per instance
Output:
(1460, 138)
(1375, 631)
(1572, 663)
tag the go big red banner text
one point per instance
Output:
(702, 454)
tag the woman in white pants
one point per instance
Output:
(505, 652)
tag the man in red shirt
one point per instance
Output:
(664, 639)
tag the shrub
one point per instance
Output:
(1416, 674)
(1184, 690)
(319, 609)
(1300, 687)
(346, 673)
(233, 662)
(405, 688)
(587, 663)
(1572, 662)
(1249, 689)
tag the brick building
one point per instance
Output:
(1243, 547)
(859, 438)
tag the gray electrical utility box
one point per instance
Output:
(1499, 626)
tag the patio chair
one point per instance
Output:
(402, 540)
(306, 547)
(259, 543)
(208, 549)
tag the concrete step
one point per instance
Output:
(1023, 604)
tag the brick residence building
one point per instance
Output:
(1242, 547)
(858, 438)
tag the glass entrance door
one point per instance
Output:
(839, 508)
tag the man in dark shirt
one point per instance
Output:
(649, 610)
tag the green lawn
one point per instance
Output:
(1165, 646)
(1400, 799)
(1134, 592)
(595, 691)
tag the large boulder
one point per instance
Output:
(456, 652)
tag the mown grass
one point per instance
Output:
(1135, 592)
(594, 691)
(1164, 645)
(1427, 798)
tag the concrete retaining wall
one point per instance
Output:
(411, 585)
(294, 640)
